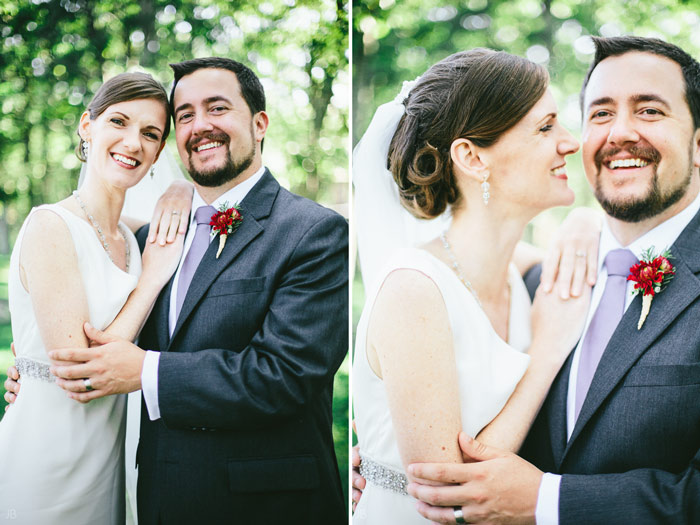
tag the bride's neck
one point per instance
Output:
(483, 240)
(103, 202)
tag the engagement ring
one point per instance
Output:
(88, 386)
(459, 517)
(580, 253)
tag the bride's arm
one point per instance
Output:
(49, 272)
(60, 304)
(159, 264)
(556, 327)
(410, 347)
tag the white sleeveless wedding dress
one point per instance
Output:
(62, 462)
(488, 371)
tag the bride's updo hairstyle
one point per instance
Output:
(476, 95)
(122, 88)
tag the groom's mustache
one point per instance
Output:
(211, 137)
(642, 151)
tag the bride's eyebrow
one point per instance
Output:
(547, 117)
(126, 117)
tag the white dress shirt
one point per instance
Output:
(149, 372)
(660, 237)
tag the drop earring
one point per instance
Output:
(86, 148)
(485, 186)
(152, 171)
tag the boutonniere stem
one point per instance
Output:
(224, 222)
(650, 276)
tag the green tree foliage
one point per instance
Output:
(56, 53)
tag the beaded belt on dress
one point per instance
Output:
(383, 476)
(28, 367)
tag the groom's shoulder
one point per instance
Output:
(304, 212)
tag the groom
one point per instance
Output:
(236, 361)
(619, 433)
(621, 443)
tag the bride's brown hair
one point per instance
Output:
(122, 88)
(476, 95)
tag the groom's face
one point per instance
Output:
(639, 141)
(217, 136)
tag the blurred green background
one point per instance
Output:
(56, 53)
(394, 41)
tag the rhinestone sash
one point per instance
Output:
(28, 367)
(383, 476)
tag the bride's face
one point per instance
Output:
(527, 164)
(124, 140)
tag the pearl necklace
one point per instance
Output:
(97, 227)
(457, 269)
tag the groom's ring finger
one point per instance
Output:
(439, 514)
(74, 385)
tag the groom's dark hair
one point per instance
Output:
(619, 45)
(251, 88)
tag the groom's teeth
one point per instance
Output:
(209, 146)
(558, 171)
(125, 160)
(628, 163)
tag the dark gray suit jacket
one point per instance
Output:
(245, 383)
(634, 455)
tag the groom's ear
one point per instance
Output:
(467, 158)
(260, 122)
(696, 148)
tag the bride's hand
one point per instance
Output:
(572, 259)
(160, 261)
(557, 324)
(172, 213)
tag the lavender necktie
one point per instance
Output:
(199, 245)
(604, 321)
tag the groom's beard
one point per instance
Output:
(231, 168)
(654, 202)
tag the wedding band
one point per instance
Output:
(580, 253)
(459, 517)
(176, 212)
(88, 386)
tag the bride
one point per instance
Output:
(74, 261)
(448, 340)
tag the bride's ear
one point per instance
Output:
(84, 126)
(467, 158)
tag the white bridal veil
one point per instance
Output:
(382, 224)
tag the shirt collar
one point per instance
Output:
(232, 196)
(661, 236)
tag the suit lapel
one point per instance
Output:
(628, 344)
(255, 206)
(557, 411)
(162, 317)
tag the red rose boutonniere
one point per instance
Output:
(650, 276)
(224, 222)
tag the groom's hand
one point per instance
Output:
(495, 486)
(113, 366)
